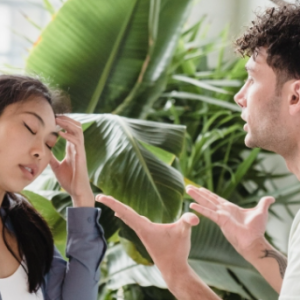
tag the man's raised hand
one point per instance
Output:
(242, 227)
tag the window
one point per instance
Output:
(17, 34)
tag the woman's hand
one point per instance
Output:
(71, 172)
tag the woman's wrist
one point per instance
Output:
(86, 200)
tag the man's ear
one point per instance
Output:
(294, 98)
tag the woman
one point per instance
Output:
(30, 266)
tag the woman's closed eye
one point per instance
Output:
(31, 131)
(34, 133)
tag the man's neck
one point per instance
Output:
(293, 164)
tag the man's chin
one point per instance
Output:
(249, 142)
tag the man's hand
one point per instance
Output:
(243, 228)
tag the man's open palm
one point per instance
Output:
(242, 227)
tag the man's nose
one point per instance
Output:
(240, 98)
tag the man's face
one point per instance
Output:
(262, 106)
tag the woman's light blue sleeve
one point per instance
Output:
(78, 278)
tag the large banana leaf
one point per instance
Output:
(110, 55)
(121, 166)
(211, 256)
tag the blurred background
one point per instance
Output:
(17, 34)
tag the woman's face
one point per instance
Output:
(27, 134)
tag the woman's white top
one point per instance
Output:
(15, 287)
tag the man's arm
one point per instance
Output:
(185, 284)
(269, 262)
(244, 229)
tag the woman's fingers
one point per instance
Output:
(54, 163)
(73, 140)
(124, 212)
(69, 126)
(68, 119)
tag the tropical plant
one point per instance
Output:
(120, 59)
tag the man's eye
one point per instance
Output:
(29, 128)
(49, 147)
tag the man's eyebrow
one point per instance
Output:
(41, 120)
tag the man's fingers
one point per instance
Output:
(190, 219)
(201, 198)
(265, 203)
(203, 195)
(124, 212)
(205, 211)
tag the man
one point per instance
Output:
(270, 102)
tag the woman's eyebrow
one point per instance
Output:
(37, 116)
(41, 120)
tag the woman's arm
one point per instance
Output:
(78, 279)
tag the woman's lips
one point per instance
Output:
(27, 171)
(246, 127)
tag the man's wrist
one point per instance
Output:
(174, 272)
(185, 284)
(254, 254)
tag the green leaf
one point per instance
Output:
(49, 7)
(56, 223)
(122, 270)
(161, 154)
(110, 54)
(199, 83)
(240, 172)
(121, 167)
(206, 99)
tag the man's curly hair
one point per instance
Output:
(277, 29)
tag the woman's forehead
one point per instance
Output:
(36, 106)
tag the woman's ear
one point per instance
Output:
(294, 98)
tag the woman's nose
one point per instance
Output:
(38, 150)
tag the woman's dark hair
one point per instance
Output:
(277, 29)
(34, 237)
